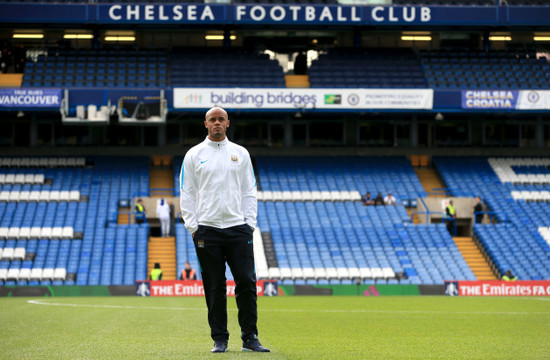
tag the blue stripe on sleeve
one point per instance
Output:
(181, 174)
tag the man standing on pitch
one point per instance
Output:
(219, 208)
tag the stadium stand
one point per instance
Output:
(339, 68)
(345, 239)
(342, 241)
(370, 68)
(224, 68)
(98, 68)
(337, 240)
(514, 243)
(185, 251)
(454, 69)
(362, 174)
(58, 215)
(59, 237)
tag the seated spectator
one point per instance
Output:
(300, 64)
(367, 200)
(156, 273)
(19, 58)
(188, 273)
(509, 277)
(389, 199)
(379, 200)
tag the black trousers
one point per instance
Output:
(214, 248)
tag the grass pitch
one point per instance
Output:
(401, 327)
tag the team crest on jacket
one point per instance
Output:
(234, 158)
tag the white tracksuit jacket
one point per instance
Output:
(217, 186)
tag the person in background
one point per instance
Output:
(188, 273)
(300, 63)
(7, 56)
(389, 199)
(163, 213)
(450, 217)
(478, 207)
(367, 200)
(172, 218)
(219, 208)
(379, 200)
(509, 277)
(19, 58)
(140, 212)
(156, 273)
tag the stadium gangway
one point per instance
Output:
(428, 215)
(114, 216)
(491, 214)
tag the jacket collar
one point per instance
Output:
(216, 143)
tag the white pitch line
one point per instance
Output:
(42, 302)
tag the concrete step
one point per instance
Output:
(429, 179)
(163, 251)
(474, 258)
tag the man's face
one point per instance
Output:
(216, 122)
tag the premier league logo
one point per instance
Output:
(451, 288)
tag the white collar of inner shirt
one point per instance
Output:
(216, 143)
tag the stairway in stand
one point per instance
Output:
(474, 258)
(161, 178)
(162, 250)
(430, 180)
(297, 81)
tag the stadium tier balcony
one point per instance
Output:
(98, 68)
(217, 67)
(367, 68)
(454, 69)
